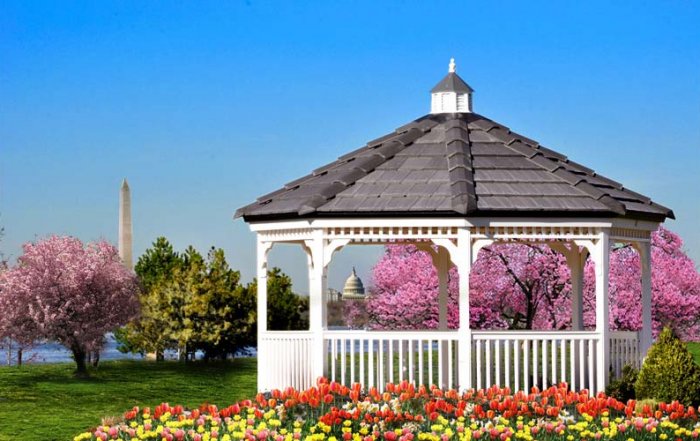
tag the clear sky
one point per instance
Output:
(204, 106)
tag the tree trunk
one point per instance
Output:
(9, 352)
(19, 357)
(95, 358)
(160, 356)
(79, 356)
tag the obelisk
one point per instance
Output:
(125, 246)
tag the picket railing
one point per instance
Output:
(288, 359)
(624, 350)
(515, 359)
(521, 360)
(374, 358)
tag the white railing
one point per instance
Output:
(521, 360)
(375, 358)
(288, 359)
(624, 350)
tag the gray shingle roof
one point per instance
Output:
(459, 164)
(452, 83)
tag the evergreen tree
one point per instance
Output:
(152, 332)
(669, 372)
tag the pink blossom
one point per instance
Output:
(506, 279)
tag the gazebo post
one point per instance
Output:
(646, 339)
(602, 325)
(577, 261)
(443, 268)
(317, 303)
(262, 251)
(463, 262)
(442, 264)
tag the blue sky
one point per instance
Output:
(205, 105)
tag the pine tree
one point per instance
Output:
(669, 372)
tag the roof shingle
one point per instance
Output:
(460, 164)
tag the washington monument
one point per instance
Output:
(125, 246)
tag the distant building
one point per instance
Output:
(334, 295)
(353, 289)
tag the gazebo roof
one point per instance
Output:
(453, 165)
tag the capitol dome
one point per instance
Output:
(353, 289)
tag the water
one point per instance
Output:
(55, 353)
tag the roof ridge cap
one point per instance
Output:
(460, 167)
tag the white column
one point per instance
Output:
(317, 302)
(262, 250)
(602, 325)
(463, 261)
(646, 338)
(442, 264)
(577, 261)
(443, 268)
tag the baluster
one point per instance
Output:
(381, 381)
(421, 374)
(439, 364)
(553, 350)
(400, 342)
(516, 356)
(536, 363)
(489, 363)
(334, 350)
(431, 379)
(370, 365)
(391, 360)
(572, 364)
(582, 363)
(499, 343)
(592, 380)
(353, 378)
(478, 364)
(450, 366)
(411, 377)
(545, 365)
(507, 381)
(362, 363)
(562, 358)
(526, 366)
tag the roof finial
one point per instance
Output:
(453, 66)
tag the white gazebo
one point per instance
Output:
(453, 182)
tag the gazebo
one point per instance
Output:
(453, 182)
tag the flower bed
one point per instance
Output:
(332, 412)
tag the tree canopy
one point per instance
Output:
(64, 291)
(520, 286)
(192, 303)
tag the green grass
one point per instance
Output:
(694, 348)
(45, 402)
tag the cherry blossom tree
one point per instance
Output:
(62, 290)
(520, 286)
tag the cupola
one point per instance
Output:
(451, 94)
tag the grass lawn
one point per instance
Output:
(694, 348)
(44, 401)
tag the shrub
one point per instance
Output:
(669, 372)
(623, 388)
